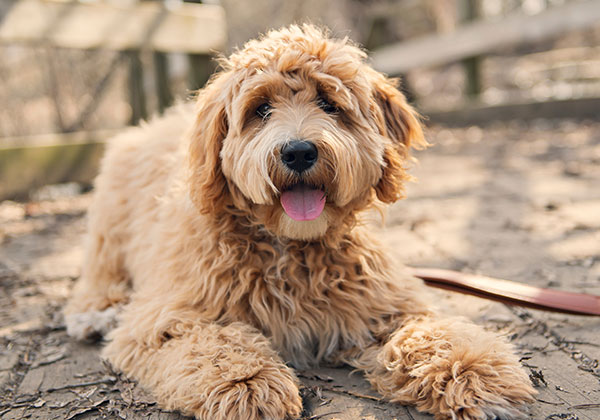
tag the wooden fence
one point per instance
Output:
(469, 42)
(197, 30)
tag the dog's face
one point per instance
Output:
(298, 133)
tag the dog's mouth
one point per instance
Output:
(303, 202)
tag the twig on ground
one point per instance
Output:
(353, 394)
(318, 416)
(108, 380)
(549, 402)
(584, 406)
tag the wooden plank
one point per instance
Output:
(583, 108)
(191, 28)
(180, 27)
(344, 394)
(485, 36)
(566, 390)
(25, 168)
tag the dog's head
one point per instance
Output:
(298, 134)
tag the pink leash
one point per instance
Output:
(510, 292)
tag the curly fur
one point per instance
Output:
(220, 289)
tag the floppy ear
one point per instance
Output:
(208, 186)
(400, 124)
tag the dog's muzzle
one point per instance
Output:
(301, 202)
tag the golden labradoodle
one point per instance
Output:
(230, 239)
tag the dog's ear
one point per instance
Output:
(400, 124)
(208, 186)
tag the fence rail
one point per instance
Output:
(182, 27)
(52, 159)
(480, 37)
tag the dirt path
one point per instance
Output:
(513, 201)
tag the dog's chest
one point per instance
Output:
(310, 306)
(311, 300)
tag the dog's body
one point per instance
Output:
(237, 249)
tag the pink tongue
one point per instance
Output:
(303, 203)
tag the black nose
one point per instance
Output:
(299, 155)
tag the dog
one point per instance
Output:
(229, 239)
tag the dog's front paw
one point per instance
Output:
(479, 392)
(252, 391)
(468, 387)
(92, 325)
(454, 370)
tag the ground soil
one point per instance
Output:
(518, 201)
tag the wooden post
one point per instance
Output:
(469, 11)
(161, 79)
(137, 96)
(201, 66)
(377, 33)
(161, 74)
(378, 37)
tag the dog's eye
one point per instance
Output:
(327, 106)
(264, 110)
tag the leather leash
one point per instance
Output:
(510, 292)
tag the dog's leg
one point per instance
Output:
(211, 371)
(449, 367)
(91, 311)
